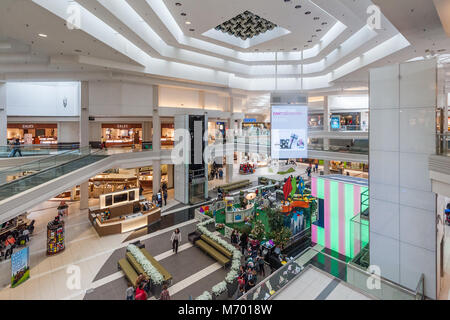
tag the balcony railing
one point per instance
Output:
(443, 144)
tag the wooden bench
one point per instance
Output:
(166, 275)
(212, 252)
(217, 246)
(129, 271)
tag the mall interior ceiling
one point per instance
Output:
(102, 81)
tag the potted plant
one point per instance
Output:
(219, 291)
(204, 296)
(232, 283)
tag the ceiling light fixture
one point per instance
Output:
(308, 12)
(191, 29)
(178, 4)
(188, 22)
(42, 35)
(183, 14)
(298, 6)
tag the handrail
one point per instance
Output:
(29, 165)
(420, 289)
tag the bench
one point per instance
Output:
(133, 262)
(129, 271)
(166, 275)
(217, 246)
(212, 252)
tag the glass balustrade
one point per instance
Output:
(357, 278)
(32, 150)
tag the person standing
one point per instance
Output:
(165, 295)
(130, 292)
(176, 239)
(165, 197)
(244, 242)
(103, 143)
(140, 293)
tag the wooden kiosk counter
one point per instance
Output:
(127, 215)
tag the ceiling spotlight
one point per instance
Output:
(309, 41)
(318, 30)
(178, 4)
(294, 49)
(188, 22)
(324, 23)
(183, 14)
(308, 12)
(298, 6)
(191, 29)
(316, 18)
(78, 50)
(42, 35)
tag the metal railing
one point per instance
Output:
(29, 150)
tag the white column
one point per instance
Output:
(326, 127)
(84, 114)
(3, 116)
(84, 195)
(73, 193)
(156, 176)
(156, 140)
(170, 169)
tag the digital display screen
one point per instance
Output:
(335, 122)
(120, 197)
(289, 133)
(108, 201)
(131, 195)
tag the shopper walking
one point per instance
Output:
(165, 295)
(16, 148)
(176, 239)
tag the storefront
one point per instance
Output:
(121, 134)
(167, 134)
(345, 121)
(34, 133)
(315, 121)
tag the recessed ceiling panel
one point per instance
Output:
(246, 25)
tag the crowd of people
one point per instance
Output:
(253, 265)
(14, 239)
(216, 172)
(162, 194)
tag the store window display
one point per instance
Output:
(122, 134)
(33, 133)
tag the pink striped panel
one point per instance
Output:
(327, 214)
(314, 186)
(314, 233)
(342, 221)
(356, 210)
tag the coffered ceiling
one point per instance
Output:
(254, 45)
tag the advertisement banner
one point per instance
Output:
(20, 267)
(335, 122)
(289, 132)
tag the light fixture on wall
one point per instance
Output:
(42, 35)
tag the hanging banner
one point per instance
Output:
(20, 267)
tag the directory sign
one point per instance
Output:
(289, 131)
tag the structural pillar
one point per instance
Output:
(84, 195)
(326, 128)
(156, 176)
(84, 114)
(3, 116)
(156, 140)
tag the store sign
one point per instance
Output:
(20, 267)
(28, 126)
(249, 120)
(335, 122)
(289, 134)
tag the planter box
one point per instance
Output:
(222, 296)
(156, 289)
(231, 288)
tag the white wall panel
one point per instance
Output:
(402, 137)
(55, 99)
